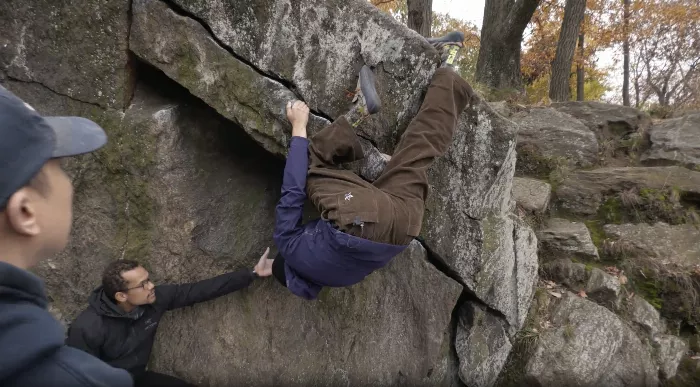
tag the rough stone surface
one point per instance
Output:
(598, 285)
(183, 49)
(531, 194)
(553, 134)
(75, 48)
(667, 244)
(589, 346)
(469, 226)
(602, 287)
(331, 344)
(610, 121)
(675, 141)
(572, 275)
(645, 315)
(482, 344)
(317, 48)
(669, 352)
(562, 238)
(583, 192)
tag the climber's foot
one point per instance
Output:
(367, 91)
(366, 99)
(449, 46)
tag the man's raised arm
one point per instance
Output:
(289, 210)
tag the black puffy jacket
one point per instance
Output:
(124, 340)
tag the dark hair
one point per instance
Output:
(112, 280)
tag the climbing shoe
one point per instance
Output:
(367, 92)
(366, 99)
(449, 46)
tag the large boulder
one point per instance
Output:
(185, 51)
(546, 132)
(75, 48)
(583, 192)
(675, 141)
(588, 345)
(676, 245)
(607, 120)
(313, 48)
(266, 336)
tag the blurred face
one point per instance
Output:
(139, 290)
(39, 215)
(56, 215)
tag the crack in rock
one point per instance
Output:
(12, 78)
(179, 10)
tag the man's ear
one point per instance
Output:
(120, 297)
(21, 213)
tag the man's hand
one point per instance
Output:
(264, 266)
(298, 115)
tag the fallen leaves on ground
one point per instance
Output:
(555, 294)
(612, 270)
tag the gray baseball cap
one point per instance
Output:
(28, 140)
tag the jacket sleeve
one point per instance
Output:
(81, 338)
(179, 296)
(289, 210)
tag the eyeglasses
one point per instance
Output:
(142, 285)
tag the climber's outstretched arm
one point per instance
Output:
(288, 213)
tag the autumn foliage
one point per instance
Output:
(664, 45)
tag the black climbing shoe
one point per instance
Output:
(449, 46)
(367, 92)
(454, 37)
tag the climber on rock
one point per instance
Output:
(363, 225)
(119, 325)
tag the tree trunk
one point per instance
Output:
(420, 16)
(626, 55)
(559, 89)
(504, 22)
(580, 80)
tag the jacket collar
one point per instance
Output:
(22, 285)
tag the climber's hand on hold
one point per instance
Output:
(264, 266)
(298, 115)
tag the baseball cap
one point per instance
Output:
(28, 140)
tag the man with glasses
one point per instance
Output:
(119, 325)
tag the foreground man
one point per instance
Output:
(36, 212)
(120, 324)
(363, 225)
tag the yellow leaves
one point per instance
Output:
(385, 5)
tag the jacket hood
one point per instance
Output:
(22, 314)
(103, 306)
